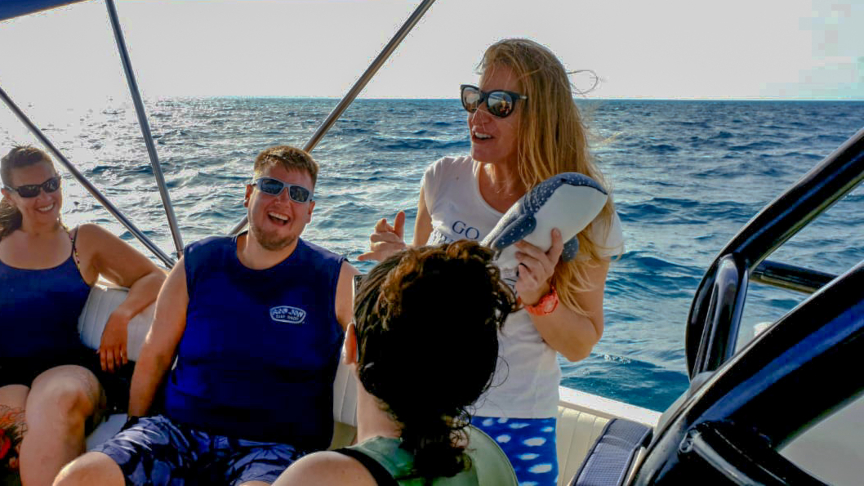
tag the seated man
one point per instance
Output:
(256, 322)
(424, 348)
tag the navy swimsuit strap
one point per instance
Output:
(381, 475)
(74, 239)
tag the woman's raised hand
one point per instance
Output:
(536, 268)
(386, 240)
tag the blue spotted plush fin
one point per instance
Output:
(571, 248)
(514, 231)
(568, 201)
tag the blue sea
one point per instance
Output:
(686, 175)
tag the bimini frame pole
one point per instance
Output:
(84, 182)
(360, 84)
(145, 126)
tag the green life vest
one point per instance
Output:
(489, 465)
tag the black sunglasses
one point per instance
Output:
(274, 187)
(32, 190)
(499, 102)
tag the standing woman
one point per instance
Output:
(49, 391)
(524, 128)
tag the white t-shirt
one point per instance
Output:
(527, 377)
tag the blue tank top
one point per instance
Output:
(259, 353)
(39, 310)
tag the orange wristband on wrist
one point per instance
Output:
(546, 305)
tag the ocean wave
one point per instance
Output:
(404, 143)
(824, 138)
(640, 211)
(800, 155)
(722, 135)
(629, 380)
(728, 210)
(856, 196)
(660, 148)
(760, 145)
(736, 166)
(211, 179)
(640, 261)
(352, 131)
(692, 124)
(667, 210)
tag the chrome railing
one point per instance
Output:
(167, 260)
(145, 127)
(325, 126)
(715, 315)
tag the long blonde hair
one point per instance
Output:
(552, 138)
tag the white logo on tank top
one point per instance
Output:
(284, 313)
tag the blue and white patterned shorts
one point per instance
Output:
(156, 451)
(528, 443)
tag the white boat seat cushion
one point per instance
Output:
(581, 419)
(100, 304)
(610, 459)
(576, 432)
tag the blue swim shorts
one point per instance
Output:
(157, 452)
(528, 443)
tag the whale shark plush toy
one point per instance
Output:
(568, 201)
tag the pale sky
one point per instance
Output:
(735, 49)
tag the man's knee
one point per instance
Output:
(91, 468)
(64, 395)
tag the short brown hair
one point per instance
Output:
(291, 158)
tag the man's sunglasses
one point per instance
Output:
(499, 102)
(274, 187)
(32, 190)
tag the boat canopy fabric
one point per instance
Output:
(16, 8)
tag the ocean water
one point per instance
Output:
(686, 175)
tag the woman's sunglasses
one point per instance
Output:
(32, 190)
(499, 102)
(274, 187)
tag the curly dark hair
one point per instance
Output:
(427, 329)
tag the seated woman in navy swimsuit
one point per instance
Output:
(46, 272)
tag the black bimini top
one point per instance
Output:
(16, 8)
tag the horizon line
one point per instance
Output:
(335, 98)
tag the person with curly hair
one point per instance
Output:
(424, 347)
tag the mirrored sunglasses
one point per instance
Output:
(32, 190)
(274, 187)
(499, 102)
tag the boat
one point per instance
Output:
(784, 408)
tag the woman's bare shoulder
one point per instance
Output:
(326, 468)
(91, 231)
